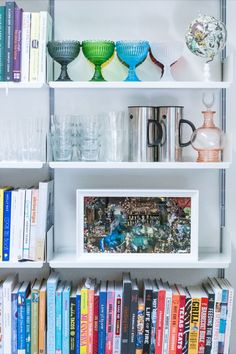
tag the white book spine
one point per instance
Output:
(14, 226)
(167, 322)
(27, 223)
(7, 318)
(25, 47)
(45, 36)
(20, 222)
(229, 319)
(216, 321)
(117, 322)
(34, 223)
(1, 320)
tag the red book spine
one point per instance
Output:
(160, 321)
(95, 328)
(202, 327)
(180, 335)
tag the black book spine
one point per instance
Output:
(147, 321)
(72, 324)
(154, 321)
(125, 318)
(187, 313)
(210, 319)
(10, 12)
(133, 321)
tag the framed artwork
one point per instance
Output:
(143, 225)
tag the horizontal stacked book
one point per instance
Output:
(25, 217)
(23, 44)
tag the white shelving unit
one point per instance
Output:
(21, 164)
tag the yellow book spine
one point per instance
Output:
(42, 321)
(34, 46)
(194, 326)
(2, 190)
(84, 322)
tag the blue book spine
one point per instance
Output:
(2, 42)
(14, 323)
(223, 320)
(77, 324)
(28, 326)
(66, 321)
(102, 322)
(21, 321)
(6, 225)
(58, 322)
(10, 13)
(51, 321)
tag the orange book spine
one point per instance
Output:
(42, 321)
(174, 323)
(90, 320)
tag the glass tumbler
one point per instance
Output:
(116, 136)
(89, 138)
(62, 137)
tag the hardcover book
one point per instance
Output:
(167, 318)
(160, 317)
(147, 315)
(223, 315)
(117, 318)
(51, 308)
(90, 284)
(140, 327)
(72, 320)
(102, 317)
(17, 44)
(126, 313)
(28, 324)
(27, 223)
(174, 320)
(34, 47)
(96, 320)
(216, 323)
(2, 190)
(196, 294)
(77, 319)
(35, 316)
(84, 320)
(58, 315)
(6, 225)
(229, 315)
(45, 61)
(154, 316)
(110, 317)
(21, 317)
(133, 316)
(14, 314)
(25, 48)
(210, 317)
(180, 335)
(2, 41)
(203, 324)
(9, 48)
(42, 318)
(66, 318)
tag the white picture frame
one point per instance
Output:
(142, 258)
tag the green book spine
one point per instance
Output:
(2, 42)
(34, 321)
(72, 324)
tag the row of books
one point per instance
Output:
(112, 318)
(23, 43)
(26, 214)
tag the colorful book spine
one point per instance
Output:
(202, 326)
(140, 327)
(160, 321)
(194, 326)
(33, 223)
(66, 319)
(34, 46)
(17, 44)
(25, 48)
(110, 317)
(187, 315)
(216, 323)
(27, 223)
(90, 320)
(28, 324)
(9, 47)
(72, 322)
(77, 324)
(21, 319)
(34, 320)
(58, 315)
(210, 319)
(180, 336)
(118, 320)
(2, 190)
(229, 316)
(154, 318)
(133, 317)
(126, 313)
(84, 321)
(14, 321)
(95, 327)
(102, 319)
(147, 319)
(51, 308)
(42, 318)
(2, 41)
(174, 321)
(6, 225)
(223, 320)
(167, 321)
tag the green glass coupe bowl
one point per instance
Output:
(98, 52)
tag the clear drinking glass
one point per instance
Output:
(116, 136)
(89, 138)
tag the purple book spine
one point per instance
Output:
(17, 45)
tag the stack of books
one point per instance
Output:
(118, 318)
(23, 43)
(25, 217)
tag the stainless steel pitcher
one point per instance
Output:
(171, 120)
(145, 133)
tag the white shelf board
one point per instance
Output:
(140, 85)
(21, 85)
(138, 165)
(68, 259)
(21, 164)
(21, 265)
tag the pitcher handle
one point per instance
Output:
(183, 121)
(159, 133)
